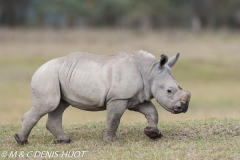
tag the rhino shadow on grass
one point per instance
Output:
(126, 80)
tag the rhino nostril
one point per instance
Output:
(179, 108)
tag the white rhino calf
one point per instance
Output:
(103, 82)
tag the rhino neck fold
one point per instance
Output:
(148, 80)
(147, 77)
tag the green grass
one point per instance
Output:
(192, 139)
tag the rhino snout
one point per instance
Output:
(182, 108)
(183, 104)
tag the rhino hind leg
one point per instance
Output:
(19, 141)
(29, 120)
(46, 96)
(54, 123)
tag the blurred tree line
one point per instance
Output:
(152, 14)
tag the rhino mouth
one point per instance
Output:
(181, 109)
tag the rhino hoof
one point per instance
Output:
(19, 140)
(62, 141)
(152, 133)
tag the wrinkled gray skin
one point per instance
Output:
(95, 82)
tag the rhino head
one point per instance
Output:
(165, 88)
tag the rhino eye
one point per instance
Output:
(169, 91)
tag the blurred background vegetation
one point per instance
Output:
(205, 32)
(153, 14)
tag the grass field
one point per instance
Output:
(208, 68)
(195, 139)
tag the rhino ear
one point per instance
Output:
(171, 62)
(163, 60)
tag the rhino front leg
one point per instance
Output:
(115, 110)
(151, 114)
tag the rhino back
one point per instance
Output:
(89, 81)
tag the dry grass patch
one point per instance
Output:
(198, 139)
